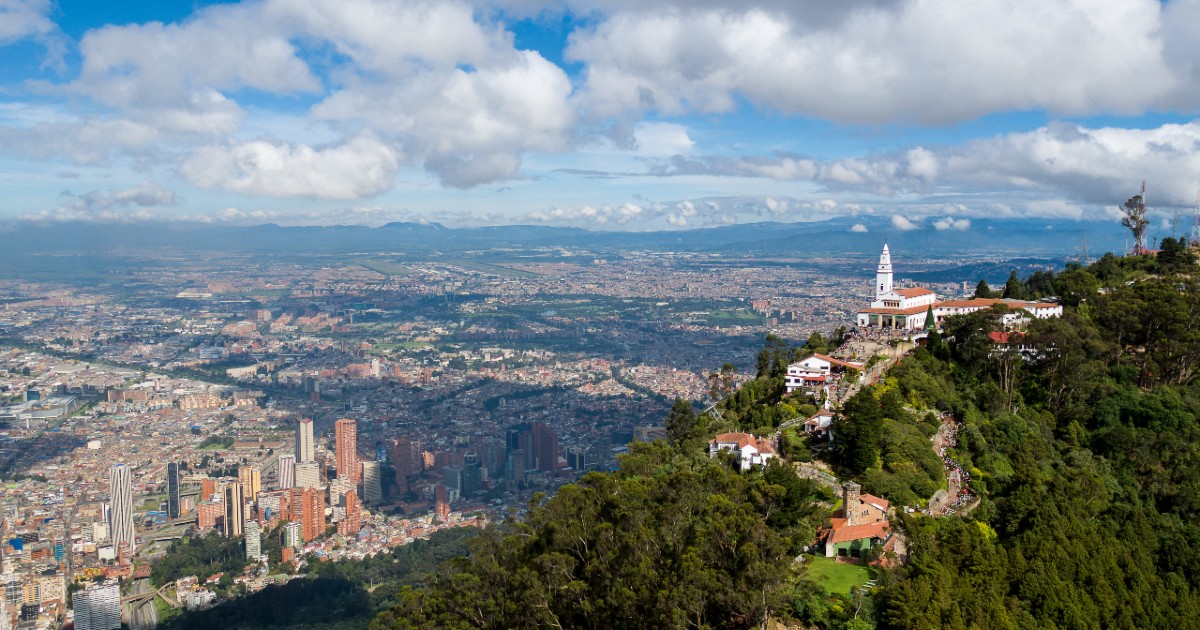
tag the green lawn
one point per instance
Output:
(837, 578)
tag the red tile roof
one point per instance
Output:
(858, 532)
(874, 500)
(913, 292)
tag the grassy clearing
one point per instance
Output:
(835, 577)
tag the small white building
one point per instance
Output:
(750, 450)
(815, 372)
(819, 423)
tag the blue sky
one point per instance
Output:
(606, 114)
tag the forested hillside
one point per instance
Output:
(1080, 435)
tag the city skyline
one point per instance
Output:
(607, 115)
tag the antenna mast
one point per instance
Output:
(1195, 236)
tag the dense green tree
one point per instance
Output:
(1013, 289)
(982, 290)
(682, 424)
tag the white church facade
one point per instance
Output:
(907, 309)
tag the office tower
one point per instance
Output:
(286, 471)
(97, 608)
(372, 483)
(251, 479)
(306, 450)
(208, 487)
(346, 449)
(514, 467)
(407, 460)
(452, 477)
(338, 489)
(253, 540)
(441, 503)
(235, 509)
(472, 475)
(173, 490)
(545, 446)
(120, 490)
(308, 475)
(353, 520)
(577, 458)
(293, 535)
(312, 521)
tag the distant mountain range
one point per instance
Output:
(1000, 238)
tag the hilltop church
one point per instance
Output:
(907, 309)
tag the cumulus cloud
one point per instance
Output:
(84, 142)
(360, 167)
(859, 228)
(440, 78)
(950, 223)
(933, 61)
(903, 223)
(123, 204)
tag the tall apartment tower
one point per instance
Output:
(120, 489)
(173, 490)
(235, 509)
(251, 478)
(306, 450)
(253, 540)
(372, 483)
(312, 521)
(286, 471)
(346, 449)
(98, 607)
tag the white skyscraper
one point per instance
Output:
(286, 471)
(253, 540)
(306, 450)
(308, 475)
(120, 490)
(372, 481)
(97, 608)
(292, 535)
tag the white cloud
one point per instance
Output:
(929, 61)
(859, 228)
(950, 223)
(662, 139)
(903, 224)
(124, 204)
(25, 18)
(84, 142)
(360, 167)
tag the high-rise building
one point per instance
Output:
(173, 490)
(253, 540)
(312, 522)
(251, 479)
(308, 475)
(346, 449)
(235, 509)
(472, 475)
(545, 446)
(98, 607)
(120, 489)
(441, 503)
(372, 483)
(306, 450)
(293, 535)
(537, 442)
(286, 471)
(406, 461)
(577, 458)
(353, 519)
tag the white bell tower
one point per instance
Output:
(883, 274)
